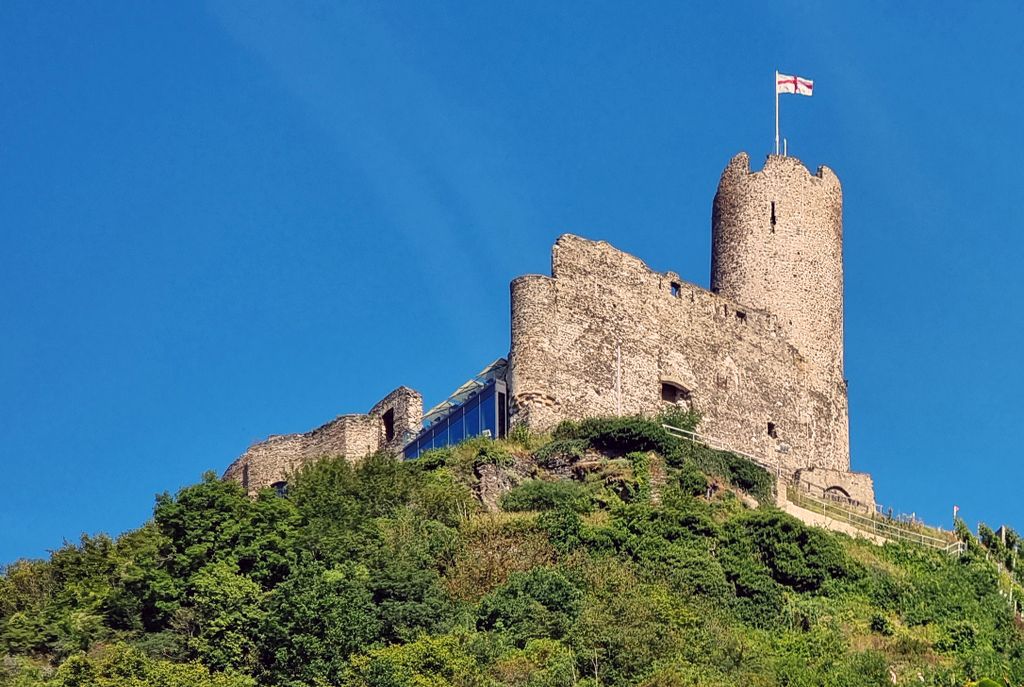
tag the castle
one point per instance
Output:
(759, 356)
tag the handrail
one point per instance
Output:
(829, 506)
(720, 445)
(865, 523)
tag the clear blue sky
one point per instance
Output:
(221, 221)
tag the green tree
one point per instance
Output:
(222, 617)
(540, 603)
(315, 619)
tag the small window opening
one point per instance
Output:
(773, 215)
(245, 477)
(675, 288)
(725, 310)
(670, 393)
(389, 425)
(772, 431)
(741, 316)
(280, 488)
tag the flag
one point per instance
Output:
(793, 84)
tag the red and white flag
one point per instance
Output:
(793, 84)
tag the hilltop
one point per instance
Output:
(608, 552)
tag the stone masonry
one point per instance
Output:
(606, 335)
(777, 245)
(759, 356)
(271, 462)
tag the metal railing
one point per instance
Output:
(774, 468)
(835, 506)
(869, 524)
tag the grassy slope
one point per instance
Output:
(623, 557)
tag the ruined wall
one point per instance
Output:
(406, 407)
(777, 245)
(601, 335)
(822, 482)
(354, 436)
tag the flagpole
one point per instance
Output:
(776, 111)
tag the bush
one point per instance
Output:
(538, 495)
(691, 481)
(560, 451)
(881, 625)
(735, 470)
(563, 527)
(537, 604)
(795, 555)
(681, 418)
(621, 435)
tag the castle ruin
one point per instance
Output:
(759, 356)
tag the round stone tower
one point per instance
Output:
(777, 245)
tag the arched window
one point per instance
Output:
(837, 494)
(676, 395)
(280, 487)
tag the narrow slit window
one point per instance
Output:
(773, 215)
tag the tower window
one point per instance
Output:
(389, 424)
(741, 316)
(675, 288)
(280, 488)
(772, 431)
(773, 215)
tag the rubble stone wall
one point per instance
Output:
(406, 406)
(777, 245)
(353, 436)
(604, 333)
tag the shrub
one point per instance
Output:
(734, 469)
(621, 435)
(542, 496)
(881, 625)
(564, 528)
(537, 604)
(691, 481)
(563, 451)
(795, 555)
(679, 417)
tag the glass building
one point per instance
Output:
(477, 408)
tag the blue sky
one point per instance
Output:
(226, 220)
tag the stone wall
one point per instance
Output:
(604, 333)
(355, 436)
(777, 245)
(406, 408)
(822, 482)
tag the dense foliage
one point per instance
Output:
(614, 563)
